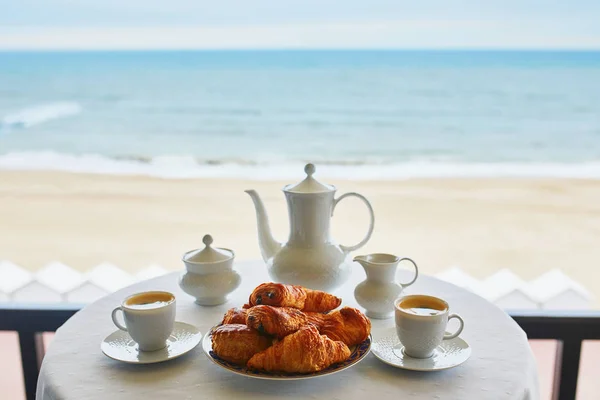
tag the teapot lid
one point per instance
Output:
(209, 254)
(309, 184)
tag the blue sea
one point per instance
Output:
(356, 114)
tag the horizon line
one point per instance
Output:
(301, 49)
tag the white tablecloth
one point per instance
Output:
(501, 366)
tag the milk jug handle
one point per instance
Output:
(416, 271)
(348, 249)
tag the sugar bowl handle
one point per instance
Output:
(348, 249)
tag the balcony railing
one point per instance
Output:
(569, 328)
(30, 321)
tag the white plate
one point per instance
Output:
(357, 353)
(119, 346)
(449, 354)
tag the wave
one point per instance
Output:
(28, 117)
(183, 167)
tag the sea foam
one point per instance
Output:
(30, 116)
(182, 167)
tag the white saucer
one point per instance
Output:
(119, 346)
(449, 354)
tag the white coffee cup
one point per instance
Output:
(149, 318)
(421, 324)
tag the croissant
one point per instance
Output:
(235, 316)
(347, 325)
(276, 321)
(280, 295)
(237, 343)
(301, 352)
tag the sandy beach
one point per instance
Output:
(481, 225)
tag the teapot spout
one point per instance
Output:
(268, 245)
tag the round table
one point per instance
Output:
(501, 365)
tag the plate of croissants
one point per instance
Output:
(288, 332)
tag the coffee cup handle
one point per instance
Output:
(114, 318)
(459, 330)
(416, 271)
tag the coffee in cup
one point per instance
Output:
(421, 324)
(149, 318)
(149, 300)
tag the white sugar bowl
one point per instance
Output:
(209, 276)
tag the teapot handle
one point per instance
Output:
(347, 249)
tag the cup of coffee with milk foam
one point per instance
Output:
(421, 324)
(148, 317)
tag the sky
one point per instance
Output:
(245, 24)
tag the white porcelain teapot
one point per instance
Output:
(310, 257)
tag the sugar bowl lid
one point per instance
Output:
(309, 184)
(209, 254)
